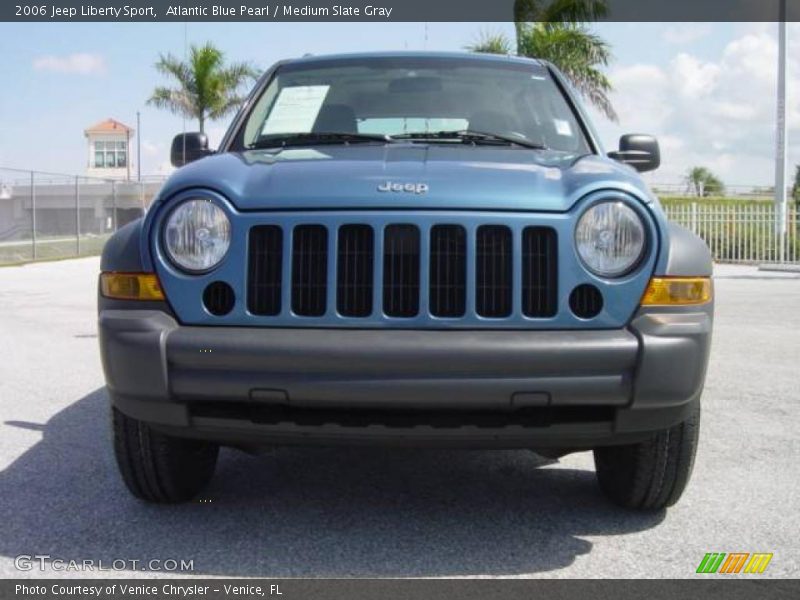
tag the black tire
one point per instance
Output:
(161, 468)
(650, 475)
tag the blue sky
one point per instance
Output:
(706, 89)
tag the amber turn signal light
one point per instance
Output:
(131, 286)
(677, 291)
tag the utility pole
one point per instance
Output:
(780, 137)
(33, 217)
(138, 147)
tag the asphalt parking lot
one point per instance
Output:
(391, 512)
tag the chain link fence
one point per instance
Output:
(50, 215)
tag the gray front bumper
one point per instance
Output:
(645, 376)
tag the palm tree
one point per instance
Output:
(207, 87)
(703, 183)
(491, 43)
(559, 11)
(554, 30)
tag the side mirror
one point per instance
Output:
(188, 147)
(639, 151)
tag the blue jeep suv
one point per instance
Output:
(407, 248)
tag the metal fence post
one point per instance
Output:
(77, 219)
(33, 218)
(694, 217)
(113, 205)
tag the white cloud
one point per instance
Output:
(639, 95)
(736, 111)
(79, 63)
(686, 33)
(693, 77)
(717, 112)
(151, 149)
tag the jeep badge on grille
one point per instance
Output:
(411, 188)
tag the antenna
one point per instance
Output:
(185, 57)
(138, 147)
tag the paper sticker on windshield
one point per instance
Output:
(562, 127)
(296, 109)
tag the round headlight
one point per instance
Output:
(197, 235)
(610, 238)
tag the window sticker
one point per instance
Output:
(296, 109)
(562, 127)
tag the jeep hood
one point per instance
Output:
(457, 177)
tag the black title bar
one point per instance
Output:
(377, 589)
(380, 10)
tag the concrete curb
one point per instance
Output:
(780, 267)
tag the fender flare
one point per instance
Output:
(122, 252)
(686, 254)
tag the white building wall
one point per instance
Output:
(107, 172)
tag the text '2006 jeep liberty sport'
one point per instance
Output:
(407, 248)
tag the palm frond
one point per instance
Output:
(574, 11)
(172, 67)
(490, 43)
(206, 86)
(559, 11)
(578, 53)
(176, 101)
(527, 10)
(226, 106)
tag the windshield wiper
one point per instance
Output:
(470, 137)
(283, 140)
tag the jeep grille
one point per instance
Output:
(406, 260)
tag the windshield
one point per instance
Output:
(410, 97)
